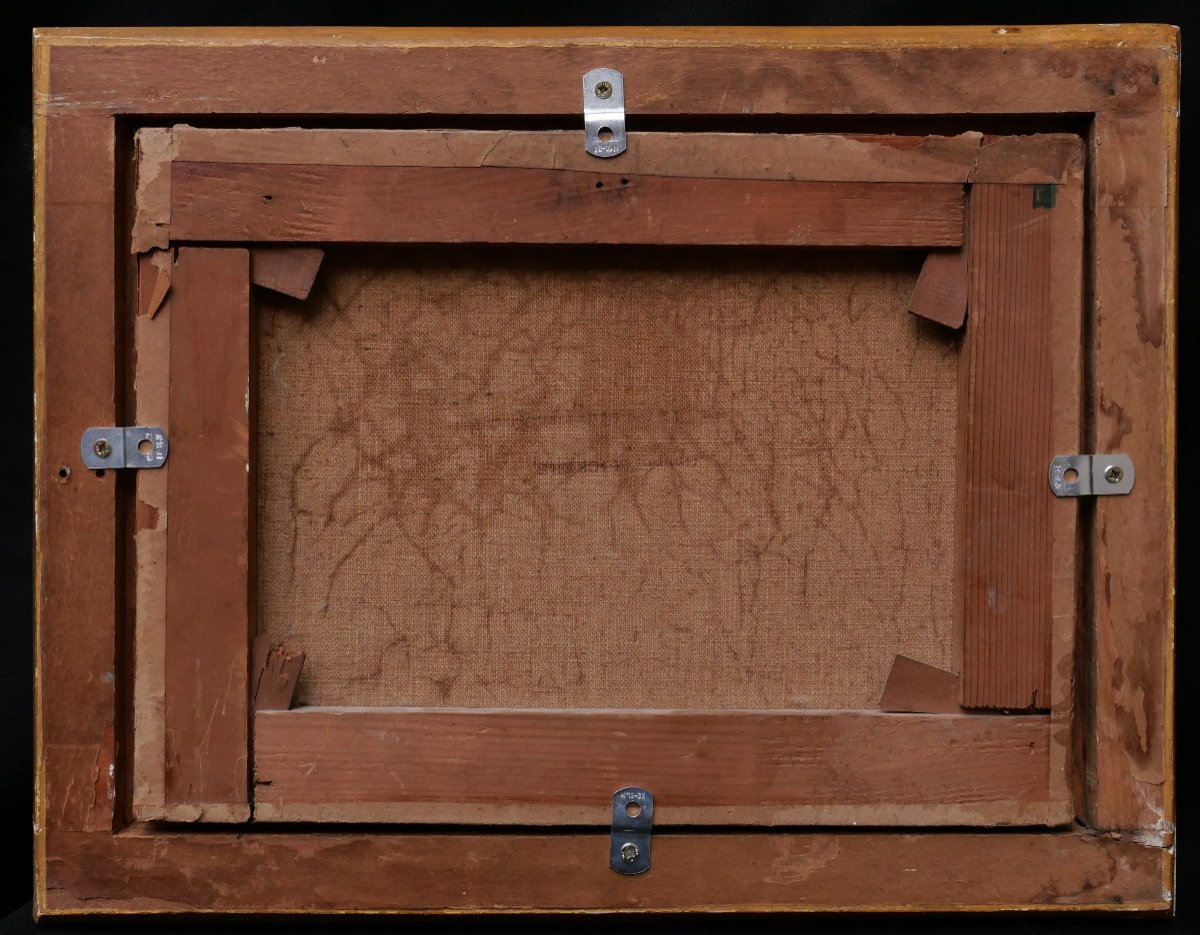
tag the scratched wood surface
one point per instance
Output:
(331, 872)
(717, 767)
(209, 556)
(1132, 357)
(816, 157)
(77, 561)
(221, 202)
(793, 71)
(152, 347)
(1005, 420)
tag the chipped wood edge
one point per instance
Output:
(1031, 159)
(151, 380)
(155, 148)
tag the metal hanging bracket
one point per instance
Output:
(632, 816)
(604, 112)
(131, 446)
(1091, 475)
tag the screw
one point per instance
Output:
(629, 852)
(1114, 474)
(603, 90)
(102, 448)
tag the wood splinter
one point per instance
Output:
(154, 280)
(289, 270)
(941, 291)
(918, 688)
(276, 672)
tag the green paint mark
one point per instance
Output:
(1044, 196)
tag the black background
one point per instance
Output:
(16, 403)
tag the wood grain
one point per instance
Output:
(822, 157)
(273, 675)
(77, 563)
(287, 270)
(555, 767)
(941, 292)
(915, 687)
(154, 280)
(221, 202)
(147, 871)
(209, 582)
(154, 149)
(1005, 420)
(1069, 652)
(812, 157)
(1132, 363)
(1037, 158)
(151, 384)
(1033, 70)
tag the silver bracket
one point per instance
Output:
(1091, 475)
(629, 847)
(604, 112)
(131, 446)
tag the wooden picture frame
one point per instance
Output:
(158, 711)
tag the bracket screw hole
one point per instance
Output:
(629, 852)
(603, 90)
(633, 809)
(1114, 474)
(1070, 475)
(102, 448)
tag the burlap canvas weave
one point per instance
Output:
(606, 478)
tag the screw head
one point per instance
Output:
(629, 852)
(1114, 474)
(603, 90)
(102, 448)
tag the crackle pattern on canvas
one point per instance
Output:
(606, 478)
